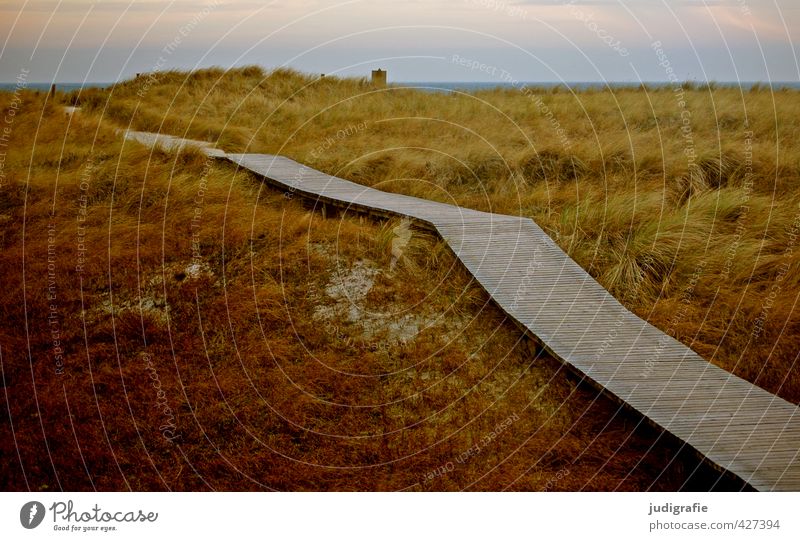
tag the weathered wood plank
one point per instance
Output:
(734, 424)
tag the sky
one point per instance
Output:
(415, 40)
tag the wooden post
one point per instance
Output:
(53, 91)
(379, 78)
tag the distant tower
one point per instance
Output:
(379, 78)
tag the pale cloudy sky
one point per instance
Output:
(416, 40)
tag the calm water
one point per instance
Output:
(441, 87)
(475, 86)
(65, 87)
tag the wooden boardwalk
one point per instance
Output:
(734, 424)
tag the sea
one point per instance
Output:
(467, 86)
(580, 85)
(44, 87)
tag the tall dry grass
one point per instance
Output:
(161, 330)
(683, 202)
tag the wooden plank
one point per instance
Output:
(734, 424)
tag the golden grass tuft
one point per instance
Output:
(262, 387)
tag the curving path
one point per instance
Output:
(734, 424)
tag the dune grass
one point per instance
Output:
(683, 202)
(171, 323)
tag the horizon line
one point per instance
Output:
(498, 83)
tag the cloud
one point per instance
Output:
(627, 3)
(137, 6)
(326, 35)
